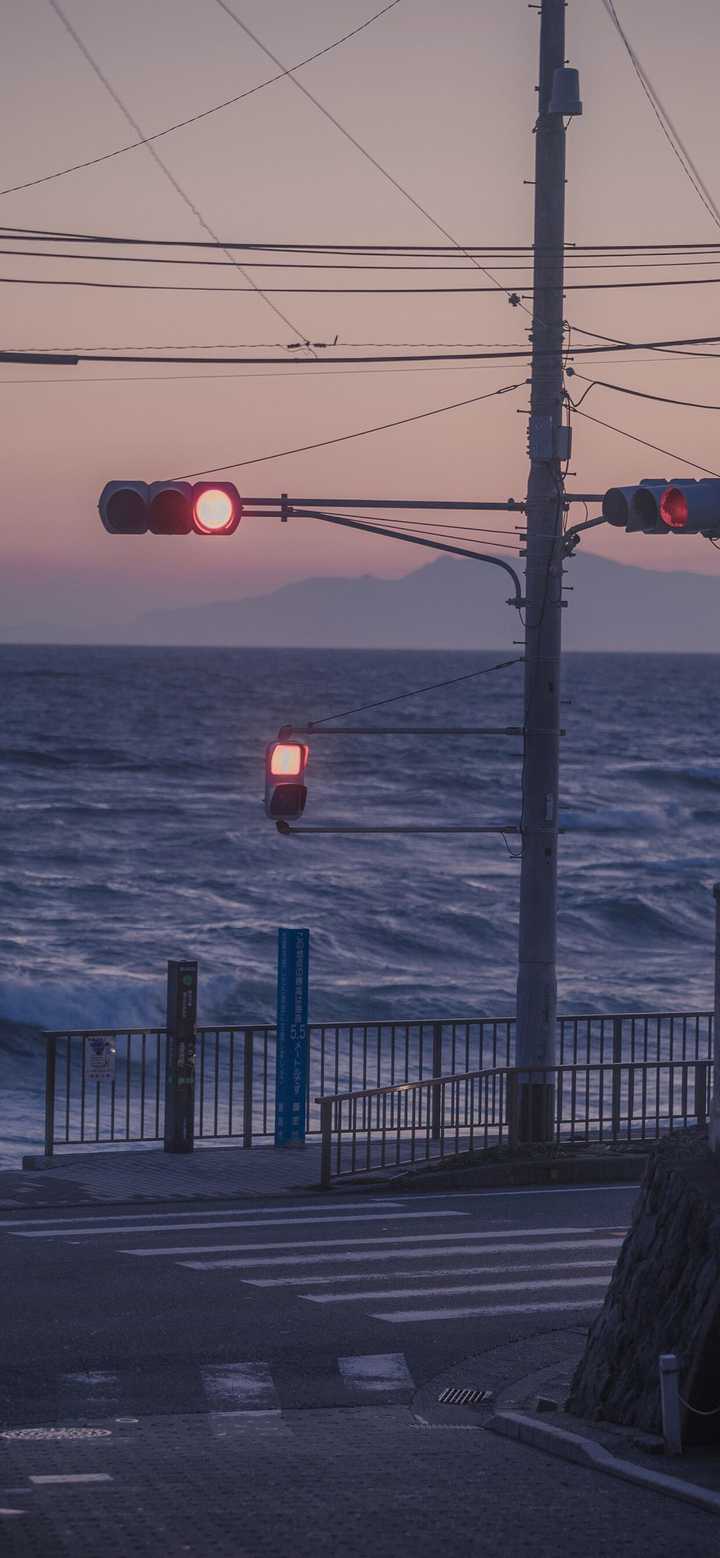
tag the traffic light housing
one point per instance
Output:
(170, 508)
(285, 788)
(660, 508)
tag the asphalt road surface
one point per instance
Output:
(182, 1378)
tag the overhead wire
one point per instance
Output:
(323, 443)
(170, 176)
(672, 136)
(623, 389)
(623, 431)
(181, 124)
(414, 692)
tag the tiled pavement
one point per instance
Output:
(149, 1174)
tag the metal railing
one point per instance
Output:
(235, 1068)
(374, 1129)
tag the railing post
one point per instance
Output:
(714, 1133)
(616, 1076)
(670, 1402)
(326, 1105)
(513, 1115)
(701, 1091)
(437, 1072)
(50, 1060)
(248, 1064)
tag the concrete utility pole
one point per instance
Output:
(537, 987)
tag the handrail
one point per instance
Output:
(381, 1022)
(498, 1071)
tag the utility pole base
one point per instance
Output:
(535, 1113)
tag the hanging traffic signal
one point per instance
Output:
(285, 788)
(661, 508)
(170, 508)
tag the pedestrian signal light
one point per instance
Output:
(170, 508)
(285, 788)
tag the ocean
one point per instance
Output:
(132, 784)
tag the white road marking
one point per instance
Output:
(239, 1263)
(78, 1476)
(467, 1287)
(394, 1239)
(230, 1387)
(430, 1271)
(258, 1420)
(162, 1217)
(412, 1316)
(239, 1222)
(376, 1372)
(6, 1512)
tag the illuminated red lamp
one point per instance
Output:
(285, 789)
(674, 510)
(216, 508)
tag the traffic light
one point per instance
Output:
(170, 508)
(660, 508)
(285, 788)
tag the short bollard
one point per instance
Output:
(670, 1402)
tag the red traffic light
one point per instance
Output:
(216, 508)
(285, 790)
(170, 508)
(674, 508)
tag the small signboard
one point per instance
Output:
(100, 1059)
(292, 1037)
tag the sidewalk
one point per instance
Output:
(149, 1174)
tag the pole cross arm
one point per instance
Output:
(397, 535)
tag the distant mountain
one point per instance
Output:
(452, 605)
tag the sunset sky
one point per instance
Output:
(443, 97)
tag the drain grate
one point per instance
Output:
(456, 1396)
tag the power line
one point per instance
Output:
(428, 268)
(622, 389)
(415, 691)
(357, 144)
(636, 439)
(434, 357)
(324, 291)
(45, 235)
(77, 40)
(364, 432)
(665, 122)
(146, 140)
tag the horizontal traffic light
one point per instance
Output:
(285, 788)
(170, 508)
(660, 508)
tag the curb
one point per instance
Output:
(587, 1452)
(622, 1169)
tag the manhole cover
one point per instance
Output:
(457, 1396)
(56, 1433)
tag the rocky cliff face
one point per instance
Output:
(664, 1297)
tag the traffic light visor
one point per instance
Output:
(674, 508)
(288, 759)
(216, 508)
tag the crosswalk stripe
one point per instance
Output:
(371, 1373)
(239, 1222)
(466, 1287)
(413, 1316)
(430, 1271)
(612, 1234)
(239, 1263)
(161, 1218)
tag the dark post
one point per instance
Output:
(616, 1076)
(182, 975)
(248, 1057)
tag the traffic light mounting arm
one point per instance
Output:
(517, 600)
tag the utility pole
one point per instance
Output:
(537, 984)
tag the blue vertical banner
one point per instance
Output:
(292, 1036)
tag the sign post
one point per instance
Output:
(182, 977)
(292, 1037)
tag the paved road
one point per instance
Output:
(304, 1304)
(179, 1380)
